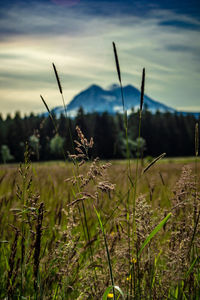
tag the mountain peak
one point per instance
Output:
(94, 87)
(97, 99)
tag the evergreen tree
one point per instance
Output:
(56, 146)
(35, 145)
(5, 154)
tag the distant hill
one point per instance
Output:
(97, 99)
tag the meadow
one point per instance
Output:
(53, 246)
(91, 229)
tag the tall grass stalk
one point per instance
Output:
(123, 104)
(86, 231)
(64, 105)
(107, 251)
(127, 147)
(139, 135)
(76, 173)
(37, 248)
(137, 168)
(85, 222)
(11, 262)
(23, 195)
(50, 114)
(54, 123)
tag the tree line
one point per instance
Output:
(49, 140)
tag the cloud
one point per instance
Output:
(80, 44)
(180, 24)
(66, 2)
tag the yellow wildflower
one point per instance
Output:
(110, 295)
(129, 277)
(133, 260)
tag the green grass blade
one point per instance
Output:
(156, 229)
(107, 291)
(56, 291)
(191, 267)
(99, 219)
(4, 255)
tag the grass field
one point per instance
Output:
(74, 239)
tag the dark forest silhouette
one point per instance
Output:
(160, 132)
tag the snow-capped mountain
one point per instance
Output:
(97, 99)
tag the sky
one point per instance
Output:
(77, 35)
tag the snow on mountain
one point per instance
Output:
(97, 99)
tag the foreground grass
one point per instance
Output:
(52, 246)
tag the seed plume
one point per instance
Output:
(57, 78)
(142, 90)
